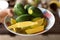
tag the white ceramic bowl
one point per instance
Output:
(47, 14)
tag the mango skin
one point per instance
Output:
(24, 17)
(34, 11)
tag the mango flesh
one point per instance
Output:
(13, 21)
(22, 24)
(40, 21)
(34, 30)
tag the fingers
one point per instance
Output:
(7, 12)
(4, 13)
(10, 13)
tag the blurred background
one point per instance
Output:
(52, 34)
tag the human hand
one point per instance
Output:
(4, 13)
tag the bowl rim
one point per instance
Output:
(30, 34)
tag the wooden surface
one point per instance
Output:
(39, 37)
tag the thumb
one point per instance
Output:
(2, 20)
(10, 12)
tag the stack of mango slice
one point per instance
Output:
(36, 25)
